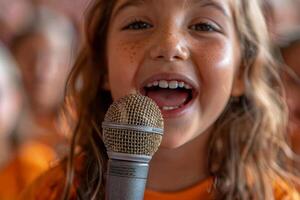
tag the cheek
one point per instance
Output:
(123, 63)
(216, 64)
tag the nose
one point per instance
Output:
(170, 47)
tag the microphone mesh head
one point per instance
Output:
(134, 110)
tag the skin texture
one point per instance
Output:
(292, 86)
(194, 39)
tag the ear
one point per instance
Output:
(238, 87)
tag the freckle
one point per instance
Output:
(123, 46)
(132, 58)
(134, 46)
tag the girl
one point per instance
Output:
(207, 65)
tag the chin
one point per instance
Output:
(177, 132)
(173, 141)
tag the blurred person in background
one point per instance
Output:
(33, 133)
(285, 19)
(284, 26)
(291, 77)
(74, 11)
(44, 55)
(20, 163)
(11, 99)
(14, 17)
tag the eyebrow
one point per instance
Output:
(216, 5)
(128, 3)
(204, 3)
(212, 3)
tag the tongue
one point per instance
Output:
(168, 97)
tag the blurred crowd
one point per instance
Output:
(39, 40)
(285, 34)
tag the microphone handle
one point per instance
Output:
(126, 180)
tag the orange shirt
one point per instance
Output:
(202, 190)
(50, 187)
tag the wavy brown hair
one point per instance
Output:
(248, 146)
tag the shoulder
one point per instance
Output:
(51, 184)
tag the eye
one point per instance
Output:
(137, 25)
(207, 27)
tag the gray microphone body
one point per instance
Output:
(126, 179)
(132, 132)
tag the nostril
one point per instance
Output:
(169, 57)
(169, 53)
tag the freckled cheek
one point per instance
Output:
(123, 64)
(216, 65)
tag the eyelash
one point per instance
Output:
(139, 25)
(205, 26)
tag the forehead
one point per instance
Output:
(222, 5)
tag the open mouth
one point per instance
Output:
(169, 95)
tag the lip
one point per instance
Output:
(169, 77)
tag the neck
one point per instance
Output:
(180, 168)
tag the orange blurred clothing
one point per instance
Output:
(202, 190)
(51, 184)
(29, 162)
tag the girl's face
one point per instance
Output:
(182, 54)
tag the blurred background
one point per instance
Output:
(39, 40)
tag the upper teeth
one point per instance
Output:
(169, 84)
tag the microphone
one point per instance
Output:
(132, 133)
